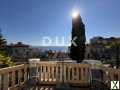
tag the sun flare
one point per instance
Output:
(75, 14)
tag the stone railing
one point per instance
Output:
(61, 72)
(110, 74)
(13, 78)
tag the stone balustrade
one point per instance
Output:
(61, 72)
(110, 74)
(13, 78)
(51, 73)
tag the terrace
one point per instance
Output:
(50, 75)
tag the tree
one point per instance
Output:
(3, 42)
(5, 60)
(114, 46)
(77, 50)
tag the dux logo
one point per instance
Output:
(114, 85)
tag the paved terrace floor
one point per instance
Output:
(95, 85)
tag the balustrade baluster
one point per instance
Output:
(69, 69)
(44, 71)
(61, 73)
(52, 72)
(25, 74)
(5, 81)
(57, 74)
(0, 82)
(81, 73)
(64, 72)
(19, 76)
(40, 73)
(77, 74)
(119, 75)
(72, 76)
(13, 78)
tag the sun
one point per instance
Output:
(75, 14)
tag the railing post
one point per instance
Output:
(44, 73)
(82, 74)
(65, 72)
(73, 74)
(13, 78)
(77, 74)
(53, 74)
(69, 69)
(19, 76)
(41, 73)
(57, 74)
(25, 73)
(61, 73)
(5, 81)
(33, 67)
(119, 75)
(0, 81)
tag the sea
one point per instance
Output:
(54, 48)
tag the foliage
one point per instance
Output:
(5, 60)
(3, 43)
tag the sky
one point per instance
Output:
(31, 21)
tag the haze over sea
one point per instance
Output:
(54, 48)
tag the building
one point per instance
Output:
(88, 52)
(19, 52)
(105, 48)
(35, 52)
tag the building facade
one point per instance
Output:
(105, 48)
(19, 52)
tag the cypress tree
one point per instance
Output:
(77, 50)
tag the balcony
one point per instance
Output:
(49, 75)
